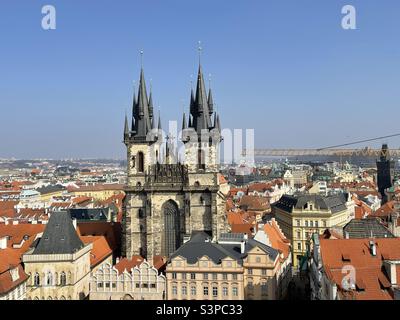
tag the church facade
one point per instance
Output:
(166, 199)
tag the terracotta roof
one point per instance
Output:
(101, 249)
(18, 232)
(128, 264)
(248, 228)
(7, 208)
(371, 281)
(385, 210)
(6, 282)
(111, 231)
(277, 238)
(81, 199)
(254, 203)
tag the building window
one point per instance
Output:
(193, 291)
(184, 276)
(306, 223)
(137, 285)
(307, 235)
(258, 259)
(234, 276)
(141, 213)
(250, 285)
(184, 290)
(311, 224)
(174, 290)
(298, 246)
(141, 162)
(201, 159)
(235, 291)
(49, 280)
(316, 224)
(298, 223)
(193, 276)
(224, 291)
(37, 279)
(100, 285)
(324, 222)
(63, 279)
(264, 272)
(173, 275)
(298, 235)
(205, 291)
(153, 285)
(205, 276)
(225, 276)
(215, 276)
(250, 271)
(264, 288)
(215, 291)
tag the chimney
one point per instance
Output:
(3, 243)
(372, 246)
(74, 223)
(242, 246)
(117, 261)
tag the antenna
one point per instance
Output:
(141, 58)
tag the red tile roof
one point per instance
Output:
(369, 274)
(254, 203)
(111, 230)
(101, 249)
(127, 264)
(277, 238)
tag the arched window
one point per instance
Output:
(49, 279)
(172, 228)
(36, 279)
(63, 279)
(141, 162)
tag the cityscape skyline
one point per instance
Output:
(300, 69)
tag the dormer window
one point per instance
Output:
(14, 274)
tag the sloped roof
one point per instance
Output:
(334, 203)
(369, 274)
(365, 228)
(59, 237)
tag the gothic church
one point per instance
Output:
(167, 199)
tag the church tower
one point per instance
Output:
(165, 199)
(385, 174)
(143, 142)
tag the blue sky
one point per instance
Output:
(285, 68)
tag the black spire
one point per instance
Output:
(218, 125)
(159, 121)
(184, 121)
(133, 128)
(141, 122)
(126, 128)
(192, 107)
(200, 110)
(151, 104)
(210, 102)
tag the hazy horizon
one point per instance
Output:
(283, 68)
